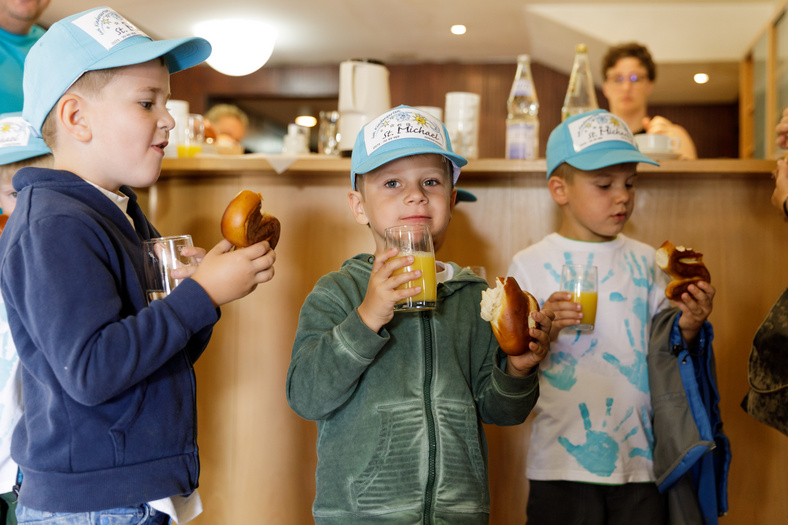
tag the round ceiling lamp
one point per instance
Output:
(240, 47)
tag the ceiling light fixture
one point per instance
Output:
(458, 29)
(240, 47)
(701, 78)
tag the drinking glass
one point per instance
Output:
(328, 139)
(162, 255)
(194, 136)
(581, 281)
(462, 122)
(415, 240)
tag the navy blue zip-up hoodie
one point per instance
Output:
(107, 380)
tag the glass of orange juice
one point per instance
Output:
(415, 240)
(194, 136)
(582, 282)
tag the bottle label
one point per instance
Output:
(522, 88)
(522, 140)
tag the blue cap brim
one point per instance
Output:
(385, 157)
(594, 160)
(17, 153)
(465, 196)
(180, 53)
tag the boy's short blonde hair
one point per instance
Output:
(91, 83)
(565, 172)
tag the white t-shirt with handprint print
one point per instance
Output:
(592, 422)
(10, 401)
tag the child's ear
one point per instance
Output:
(356, 203)
(557, 187)
(70, 112)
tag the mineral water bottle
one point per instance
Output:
(581, 94)
(522, 120)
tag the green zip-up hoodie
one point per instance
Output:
(399, 412)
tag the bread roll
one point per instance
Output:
(683, 265)
(245, 223)
(508, 309)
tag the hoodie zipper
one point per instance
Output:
(427, 390)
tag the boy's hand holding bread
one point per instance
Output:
(689, 287)
(227, 274)
(522, 330)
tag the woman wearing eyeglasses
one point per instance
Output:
(629, 74)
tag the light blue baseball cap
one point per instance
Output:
(592, 140)
(99, 38)
(17, 140)
(401, 132)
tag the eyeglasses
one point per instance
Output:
(634, 78)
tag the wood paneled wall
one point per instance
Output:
(713, 127)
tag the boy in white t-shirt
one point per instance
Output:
(590, 455)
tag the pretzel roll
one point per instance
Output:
(683, 265)
(245, 223)
(508, 309)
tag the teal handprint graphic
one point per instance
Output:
(636, 373)
(647, 452)
(561, 373)
(599, 453)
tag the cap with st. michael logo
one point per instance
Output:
(99, 38)
(592, 140)
(398, 133)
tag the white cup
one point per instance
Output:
(653, 143)
(296, 142)
(462, 122)
(179, 109)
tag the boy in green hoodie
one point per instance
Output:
(400, 399)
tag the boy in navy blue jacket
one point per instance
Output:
(109, 428)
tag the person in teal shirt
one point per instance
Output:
(18, 33)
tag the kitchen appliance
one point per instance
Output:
(363, 95)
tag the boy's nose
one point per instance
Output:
(167, 121)
(622, 195)
(416, 196)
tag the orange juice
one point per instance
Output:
(587, 302)
(189, 150)
(428, 296)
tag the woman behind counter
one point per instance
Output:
(629, 73)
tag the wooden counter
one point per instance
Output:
(258, 457)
